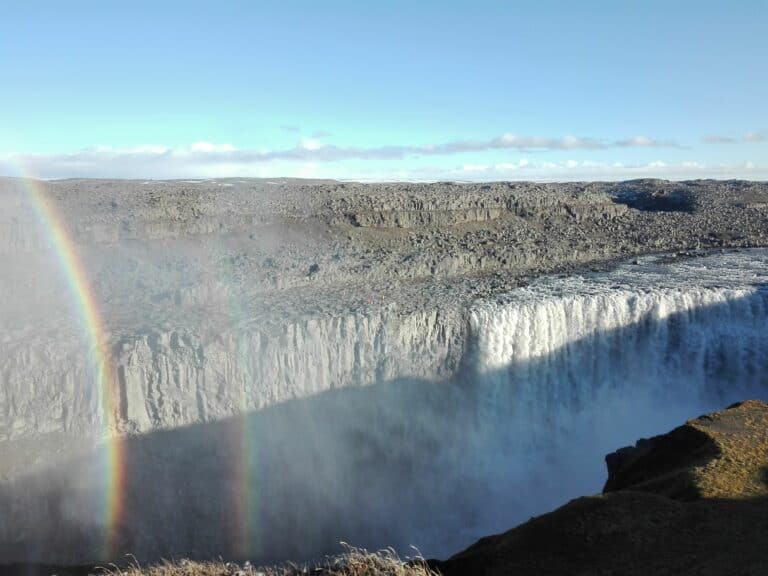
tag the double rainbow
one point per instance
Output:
(86, 304)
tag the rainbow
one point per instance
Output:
(86, 304)
(243, 500)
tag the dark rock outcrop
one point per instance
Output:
(721, 455)
(693, 501)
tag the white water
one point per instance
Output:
(690, 334)
(574, 368)
(377, 451)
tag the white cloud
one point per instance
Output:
(310, 144)
(531, 143)
(715, 139)
(149, 150)
(187, 163)
(749, 137)
(203, 157)
(645, 142)
(311, 156)
(512, 166)
(208, 147)
(475, 167)
(755, 137)
(640, 141)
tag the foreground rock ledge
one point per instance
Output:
(693, 501)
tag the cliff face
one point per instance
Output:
(693, 501)
(174, 376)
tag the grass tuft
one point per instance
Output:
(352, 562)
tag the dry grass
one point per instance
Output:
(737, 467)
(353, 562)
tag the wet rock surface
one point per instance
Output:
(693, 501)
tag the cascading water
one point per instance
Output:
(577, 367)
(554, 376)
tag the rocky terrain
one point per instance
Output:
(693, 501)
(290, 234)
(309, 346)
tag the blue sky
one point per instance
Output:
(385, 90)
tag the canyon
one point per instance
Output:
(264, 368)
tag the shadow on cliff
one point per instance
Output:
(433, 464)
(647, 197)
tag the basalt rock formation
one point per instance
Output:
(693, 501)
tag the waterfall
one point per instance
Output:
(573, 368)
(659, 343)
